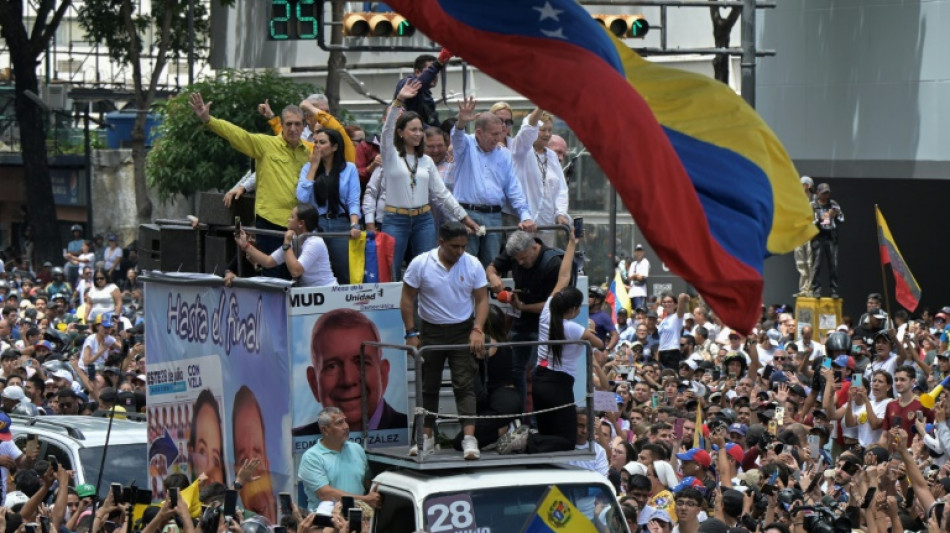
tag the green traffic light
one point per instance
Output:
(639, 28)
(405, 29)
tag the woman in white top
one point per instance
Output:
(410, 178)
(103, 297)
(85, 258)
(540, 174)
(856, 413)
(671, 328)
(112, 257)
(559, 365)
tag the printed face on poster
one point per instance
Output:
(216, 356)
(327, 328)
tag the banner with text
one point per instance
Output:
(216, 356)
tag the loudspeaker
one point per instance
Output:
(179, 249)
(211, 209)
(149, 247)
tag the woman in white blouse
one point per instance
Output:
(410, 179)
(103, 298)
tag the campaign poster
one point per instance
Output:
(327, 327)
(218, 361)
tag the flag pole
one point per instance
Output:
(887, 298)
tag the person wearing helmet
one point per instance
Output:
(59, 283)
(837, 390)
(603, 324)
(74, 247)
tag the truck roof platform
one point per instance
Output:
(451, 459)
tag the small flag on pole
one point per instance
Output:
(907, 290)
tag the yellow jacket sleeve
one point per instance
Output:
(275, 124)
(242, 141)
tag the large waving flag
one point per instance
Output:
(907, 290)
(557, 513)
(703, 176)
(617, 297)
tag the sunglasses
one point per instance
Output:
(509, 123)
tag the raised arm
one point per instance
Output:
(567, 266)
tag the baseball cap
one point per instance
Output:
(44, 344)
(941, 316)
(823, 187)
(739, 428)
(845, 361)
(688, 481)
(808, 181)
(879, 314)
(85, 490)
(105, 320)
(652, 314)
(945, 310)
(883, 333)
(62, 373)
(108, 394)
(819, 413)
(13, 393)
(735, 451)
(15, 498)
(690, 363)
(638, 247)
(652, 513)
(5, 422)
(774, 336)
(820, 429)
(698, 455)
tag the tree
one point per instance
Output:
(722, 28)
(187, 157)
(123, 29)
(26, 45)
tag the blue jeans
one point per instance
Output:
(338, 247)
(417, 233)
(487, 247)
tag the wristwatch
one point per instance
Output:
(285, 246)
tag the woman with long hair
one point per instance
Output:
(670, 329)
(866, 411)
(332, 185)
(102, 297)
(558, 366)
(411, 180)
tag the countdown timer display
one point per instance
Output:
(293, 20)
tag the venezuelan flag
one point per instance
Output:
(711, 187)
(617, 296)
(371, 258)
(907, 291)
(557, 513)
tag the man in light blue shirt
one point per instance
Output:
(485, 179)
(335, 467)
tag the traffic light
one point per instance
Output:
(377, 25)
(622, 26)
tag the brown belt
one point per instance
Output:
(411, 212)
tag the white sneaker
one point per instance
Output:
(470, 448)
(428, 447)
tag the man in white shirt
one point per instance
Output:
(451, 288)
(807, 346)
(637, 274)
(310, 265)
(599, 463)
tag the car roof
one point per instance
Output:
(423, 483)
(84, 430)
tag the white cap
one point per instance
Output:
(14, 393)
(14, 498)
(62, 373)
(808, 181)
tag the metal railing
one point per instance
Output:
(418, 415)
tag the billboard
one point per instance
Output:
(216, 356)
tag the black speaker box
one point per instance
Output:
(149, 247)
(211, 209)
(179, 247)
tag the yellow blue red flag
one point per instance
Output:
(706, 180)
(557, 513)
(907, 290)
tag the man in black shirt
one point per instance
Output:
(534, 269)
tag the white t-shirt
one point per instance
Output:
(445, 295)
(112, 257)
(865, 435)
(570, 353)
(670, 329)
(102, 300)
(92, 342)
(7, 449)
(818, 351)
(641, 267)
(315, 260)
(888, 366)
(86, 260)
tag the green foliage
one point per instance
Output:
(187, 157)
